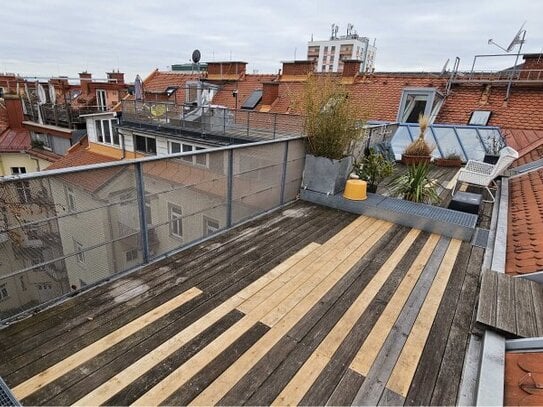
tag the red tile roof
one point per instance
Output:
(14, 140)
(244, 87)
(91, 180)
(528, 143)
(525, 231)
(523, 379)
(158, 81)
(3, 118)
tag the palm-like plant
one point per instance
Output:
(415, 185)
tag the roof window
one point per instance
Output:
(253, 100)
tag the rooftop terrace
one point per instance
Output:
(307, 305)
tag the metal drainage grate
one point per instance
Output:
(435, 213)
(6, 396)
(480, 238)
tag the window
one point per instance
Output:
(170, 90)
(417, 101)
(70, 199)
(3, 292)
(79, 253)
(146, 145)
(186, 149)
(131, 255)
(253, 100)
(101, 99)
(42, 139)
(174, 147)
(176, 221)
(480, 117)
(200, 159)
(210, 226)
(18, 170)
(105, 133)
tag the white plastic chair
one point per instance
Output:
(483, 174)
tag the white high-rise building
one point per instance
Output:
(330, 54)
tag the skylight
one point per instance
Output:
(479, 117)
(419, 101)
(253, 100)
(170, 90)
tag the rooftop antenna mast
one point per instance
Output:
(519, 39)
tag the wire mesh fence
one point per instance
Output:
(63, 230)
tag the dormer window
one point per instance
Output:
(170, 90)
(101, 99)
(419, 101)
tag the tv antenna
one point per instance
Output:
(518, 39)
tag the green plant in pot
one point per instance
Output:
(419, 150)
(331, 124)
(415, 185)
(373, 169)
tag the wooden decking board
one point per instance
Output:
(391, 398)
(505, 296)
(522, 308)
(295, 390)
(79, 306)
(75, 385)
(104, 327)
(425, 377)
(537, 294)
(486, 311)
(323, 387)
(448, 381)
(346, 390)
(45, 377)
(380, 371)
(370, 348)
(339, 267)
(404, 370)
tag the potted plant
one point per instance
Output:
(450, 160)
(493, 145)
(373, 168)
(419, 151)
(332, 128)
(415, 185)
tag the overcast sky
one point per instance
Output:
(64, 37)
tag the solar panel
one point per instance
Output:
(253, 100)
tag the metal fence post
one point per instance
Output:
(248, 118)
(284, 173)
(224, 121)
(140, 189)
(229, 187)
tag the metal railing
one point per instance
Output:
(503, 76)
(212, 120)
(66, 229)
(62, 115)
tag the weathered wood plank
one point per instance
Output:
(345, 391)
(524, 308)
(450, 373)
(322, 389)
(425, 377)
(45, 377)
(306, 375)
(537, 295)
(486, 311)
(380, 371)
(391, 398)
(505, 308)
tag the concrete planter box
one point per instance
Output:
(325, 175)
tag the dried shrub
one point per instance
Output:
(420, 147)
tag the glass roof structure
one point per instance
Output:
(469, 142)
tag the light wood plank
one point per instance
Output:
(371, 347)
(54, 372)
(405, 368)
(293, 393)
(124, 378)
(214, 392)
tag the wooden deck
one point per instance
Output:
(306, 306)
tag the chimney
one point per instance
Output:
(115, 77)
(270, 92)
(85, 79)
(226, 70)
(14, 109)
(298, 68)
(351, 67)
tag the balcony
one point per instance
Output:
(231, 125)
(59, 115)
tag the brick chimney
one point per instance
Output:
(226, 70)
(115, 77)
(14, 110)
(270, 92)
(85, 79)
(298, 68)
(351, 67)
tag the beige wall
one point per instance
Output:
(8, 160)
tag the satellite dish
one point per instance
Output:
(196, 55)
(517, 39)
(158, 110)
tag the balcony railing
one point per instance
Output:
(503, 76)
(211, 120)
(95, 222)
(59, 115)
